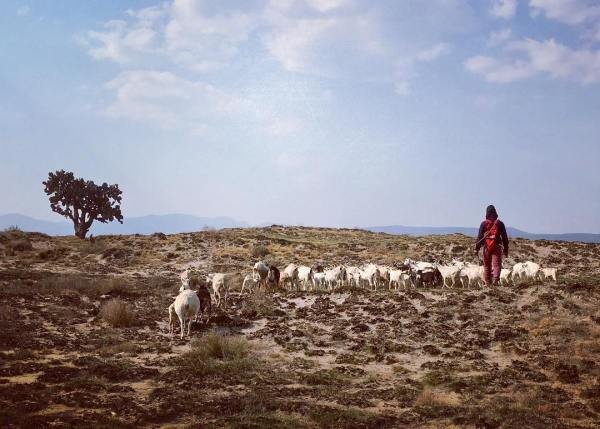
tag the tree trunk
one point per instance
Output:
(80, 230)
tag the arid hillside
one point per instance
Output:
(84, 337)
(238, 249)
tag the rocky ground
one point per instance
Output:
(519, 356)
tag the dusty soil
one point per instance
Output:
(519, 356)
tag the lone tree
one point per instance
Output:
(83, 201)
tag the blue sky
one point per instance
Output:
(314, 112)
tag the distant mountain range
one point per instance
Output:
(168, 224)
(512, 232)
(176, 223)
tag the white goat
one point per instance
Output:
(505, 276)
(306, 277)
(471, 274)
(319, 280)
(525, 270)
(290, 275)
(261, 271)
(370, 276)
(353, 276)
(547, 273)
(221, 283)
(250, 282)
(450, 274)
(185, 307)
(185, 278)
(335, 277)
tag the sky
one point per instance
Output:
(311, 112)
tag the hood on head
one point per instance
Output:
(490, 213)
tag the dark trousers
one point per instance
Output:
(492, 264)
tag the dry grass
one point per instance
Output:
(433, 397)
(220, 356)
(215, 346)
(126, 347)
(259, 304)
(260, 251)
(21, 245)
(117, 313)
(589, 348)
(559, 326)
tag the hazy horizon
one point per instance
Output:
(309, 112)
(242, 223)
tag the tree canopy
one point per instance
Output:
(83, 201)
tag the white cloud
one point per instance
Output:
(498, 71)
(337, 39)
(323, 45)
(567, 11)
(499, 37)
(406, 68)
(529, 57)
(202, 42)
(505, 9)
(23, 10)
(180, 32)
(166, 100)
(294, 45)
(109, 45)
(581, 13)
(433, 53)
(326, 5)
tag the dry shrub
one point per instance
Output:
(126, 347)
(220, 356)
(432, 397)
(215, 346)
(117, 313)
(22, 245)
(7, 313)
(53, 254)
(95, 247)
(92, 287)
(117, 252)
(258, 304)
(12, 233)
(589, 349)
(563, 327)
(260, 251)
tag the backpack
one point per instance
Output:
(491, 234)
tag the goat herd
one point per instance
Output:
(411, 273)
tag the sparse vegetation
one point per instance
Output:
(7, 313)
(219, 355)
(259, 304)
(21, 245)
(433, 397)
(260, 251)
(222, 347)
(354, 358)
(117, 313)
